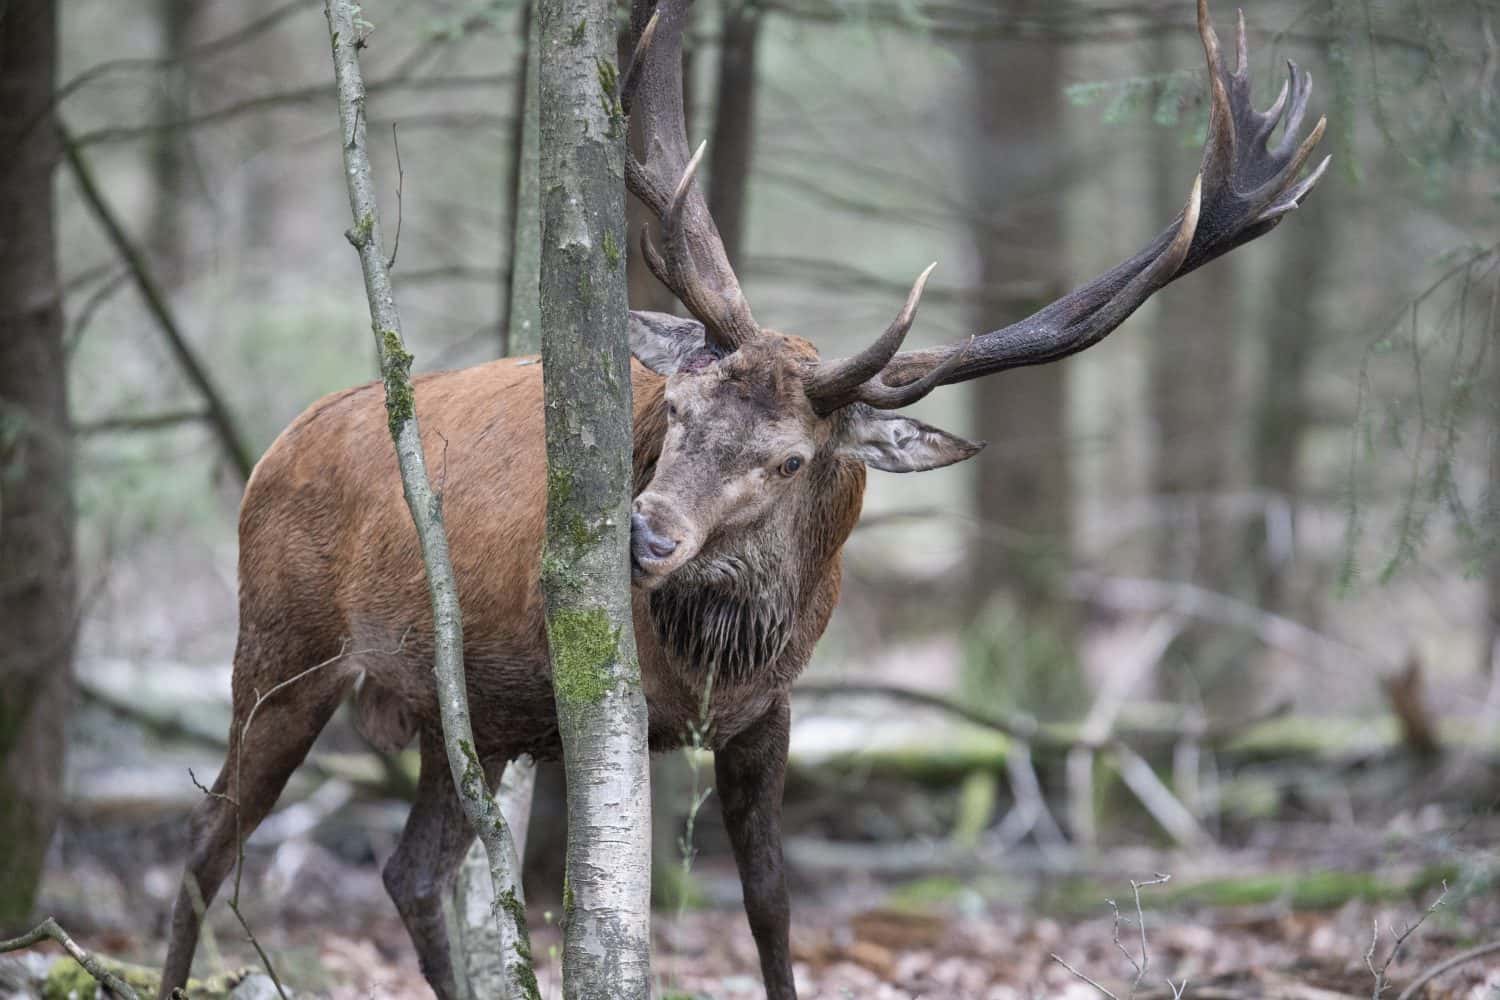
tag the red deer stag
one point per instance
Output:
(750, 458)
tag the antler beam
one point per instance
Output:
(1243, 190)
(693, 265)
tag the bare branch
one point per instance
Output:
(1381, 983)
(1086, 979)
(1448, 965)
(50, 930)
(219, 417)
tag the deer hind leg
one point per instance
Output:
(282, 730)
(420, 873)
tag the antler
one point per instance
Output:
(1243, 189)
(693, 263)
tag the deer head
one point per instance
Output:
(759, 424)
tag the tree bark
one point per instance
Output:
(346, 29)
(732, 148)
(1025, 484)
(38, 598)
(590, 628)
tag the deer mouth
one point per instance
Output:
(647, 573)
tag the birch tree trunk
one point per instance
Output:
(38, 602)
(586, 377)
(347, 31)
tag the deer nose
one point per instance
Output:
(644, 541)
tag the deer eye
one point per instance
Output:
(791, 465)
(672, 411)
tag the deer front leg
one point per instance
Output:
(750, 772)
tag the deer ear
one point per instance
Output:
(893, 443)
(661, 342)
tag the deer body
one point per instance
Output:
(324, 528)
(749, 471)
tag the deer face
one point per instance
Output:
(746, 452)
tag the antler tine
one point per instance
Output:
(835, 383)
(1301, 91)
(693, 263)
(1241, 47)
(1243, 191)
(653, 259)
(891, 397)
(1218, 151)
(1266, 121)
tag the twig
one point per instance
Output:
(49, 929)
(1381, 985)
(1140, 919)
(239, 834)
(274, 101)
(91, 305)
(219, 417)
(1081, 976)
(208, 48)
(1462, 958)
(390, 265)
(145, 422)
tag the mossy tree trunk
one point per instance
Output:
(348, 34)
(585, 567)
(38, 601)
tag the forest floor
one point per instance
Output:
(1258, 928)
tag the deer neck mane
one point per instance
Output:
(726, 616)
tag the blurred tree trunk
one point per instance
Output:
(1191, 384)
(38, 602)
(732, 147)
(1291, 326)
(170, 227)
(1024, 483)
(601, 709)
(1489, 651)
(522, 332)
